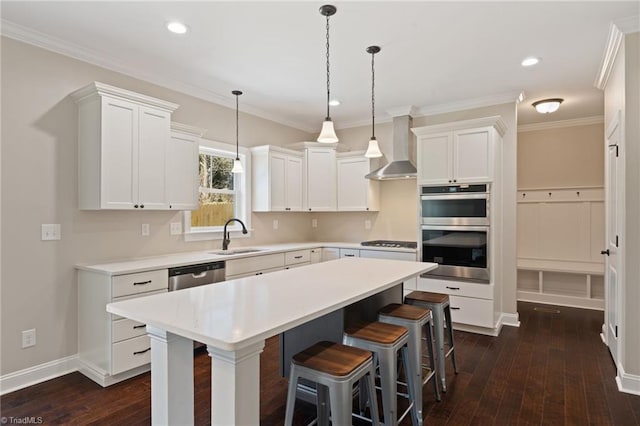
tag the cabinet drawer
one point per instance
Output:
(130, 354)
(349, 253)
(394, 255)
(457, 288)
(124, 285)
(255, 263)
(467, 310)
(298, 256)
(125, 328)
(253, 273)
(115, 317)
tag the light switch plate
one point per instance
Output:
(51, 232)
(275, 224)
(28, 338)
(314, 223)
(176, 228)
(145, 229)
(367, 224)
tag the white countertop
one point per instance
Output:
(194, 258)
(233, 314)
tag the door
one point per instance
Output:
(352, 185)
(182, 172)
(321, 179)
(435, 159)
(277, 180)
(472, 156)
(154, 133)
(293, 184)
(612, 252)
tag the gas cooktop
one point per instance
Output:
(390, 243)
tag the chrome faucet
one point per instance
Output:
(225, 235)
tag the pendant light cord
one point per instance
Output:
(373, 97)
(237, 130)
(328, 72)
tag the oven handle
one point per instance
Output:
(455, 228)
(476, 196)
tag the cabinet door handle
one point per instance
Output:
(142, 206)
(142, 282)
(607, 252)
(135, 327)
(455, 180)
(141, 352)
(309, 209)
(135, 206)
(258, 273)
(453, 288)
(453, 308)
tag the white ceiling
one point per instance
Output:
(436, 56)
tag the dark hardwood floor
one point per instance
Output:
(552, 370)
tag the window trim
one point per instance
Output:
(243, 182)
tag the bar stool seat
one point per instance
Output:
(414, 318)
(335, 368)
(438, 303)
(386, 341)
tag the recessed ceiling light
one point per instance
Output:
(547, 106)
(177, 27)
(531, 60)
(334, 102)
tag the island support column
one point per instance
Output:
(235, 385)
(171, 378)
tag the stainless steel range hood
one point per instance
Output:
(401, 167)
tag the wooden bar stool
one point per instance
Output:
(335, 368)
(438, 303)
(414, 318)
(385, 341)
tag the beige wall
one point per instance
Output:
(39, 185)
(561, 157)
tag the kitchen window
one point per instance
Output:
(222, 195)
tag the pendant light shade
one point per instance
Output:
(328, 134)
(237, 164)
(373, 151)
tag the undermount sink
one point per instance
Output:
(234, 251)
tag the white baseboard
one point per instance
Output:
(512, 320)
(560, 300)
(627, 383)
(40, 373)
(103, 379)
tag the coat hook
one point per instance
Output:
(549, 194)
(524, 194)
(578, 193)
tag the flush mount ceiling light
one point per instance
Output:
(328, 134)
(237, 165)
(530, 61)
(177, 27)
(373, 151)
(547, 106)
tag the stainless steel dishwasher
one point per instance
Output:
(195, 275)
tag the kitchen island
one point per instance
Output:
(233, 318)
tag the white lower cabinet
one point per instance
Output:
(112, 348)
(255, 265)
(330, 253)
(471, 304)
(349, 252)
(316, 255)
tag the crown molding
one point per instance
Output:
(402, 111)
(186, 129)
(481, 102)
(495, 121)
(53, 44)
(617, 31)
(585, 121)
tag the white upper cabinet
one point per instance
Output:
(355, 192)
(122, 142)
(277, 179)
(320, 179)
(458, 152)
(182, 167)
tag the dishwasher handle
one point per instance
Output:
(195, 269)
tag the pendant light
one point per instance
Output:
(328, 134)
(373, 151)
(237, 165)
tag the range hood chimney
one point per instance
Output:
(401, 167)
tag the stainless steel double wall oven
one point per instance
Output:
(455, 231)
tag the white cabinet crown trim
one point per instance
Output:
(494, 121)
(96, 88)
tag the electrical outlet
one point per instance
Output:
(367, 224)
(314, 223)
(275, 224)
(28, 338)
(176, 228)
(51, 231)
(145, 229)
